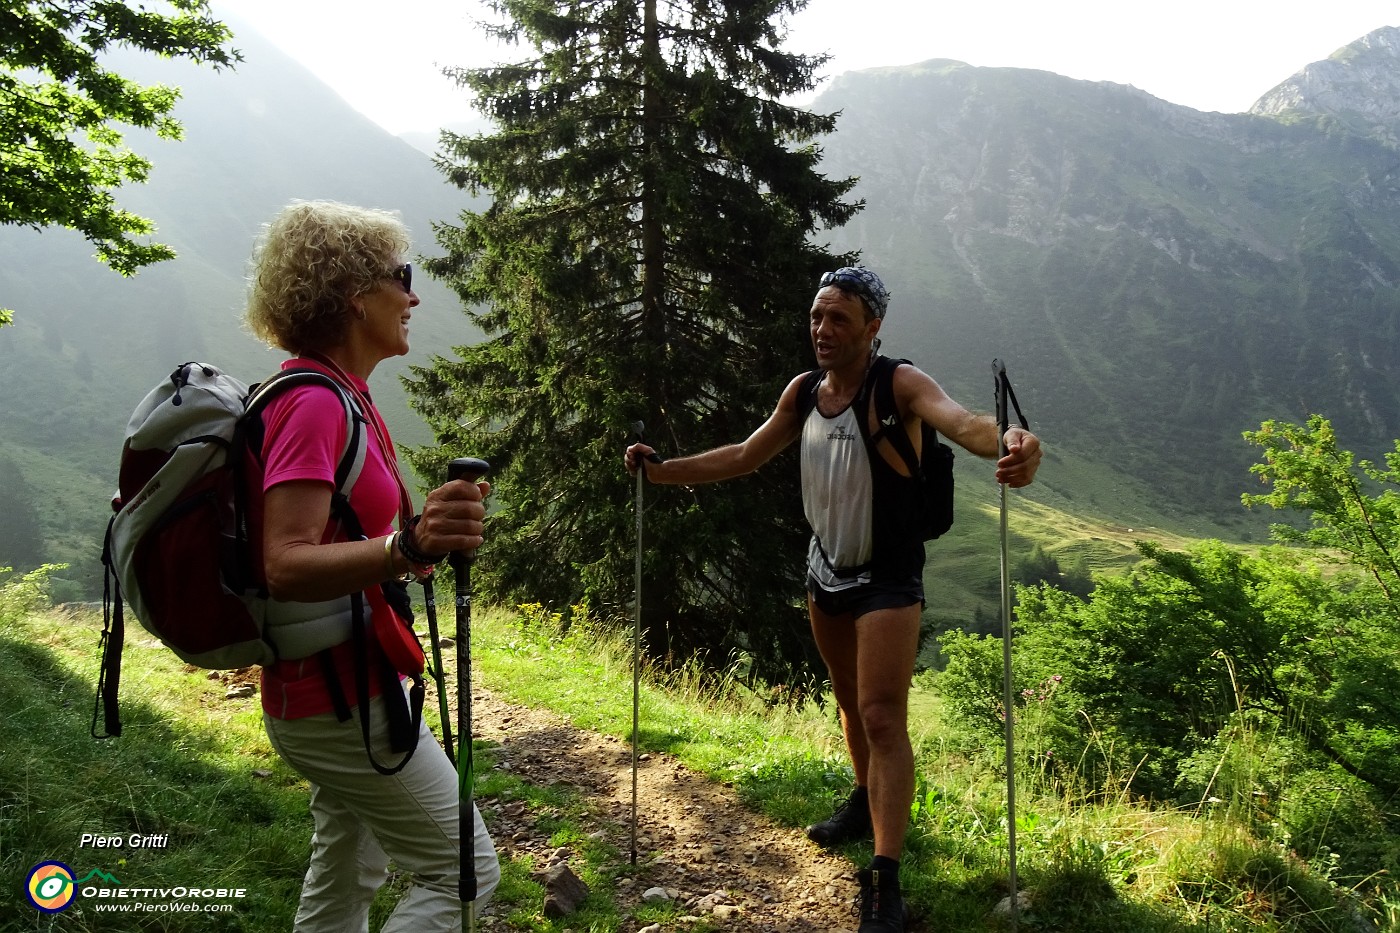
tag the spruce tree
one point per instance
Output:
(645, 255)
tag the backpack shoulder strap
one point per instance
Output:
(109, 672)
(352, 460)
(881, 387)
(807, 394)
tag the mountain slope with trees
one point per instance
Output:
(87, 344)
(1158, 280)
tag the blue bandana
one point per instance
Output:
(864, 283)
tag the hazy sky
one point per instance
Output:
(384, 58)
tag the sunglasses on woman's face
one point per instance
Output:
(404, 276)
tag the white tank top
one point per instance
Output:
(837, 495)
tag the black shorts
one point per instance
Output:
(893, 593)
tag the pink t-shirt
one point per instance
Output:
(304, 438)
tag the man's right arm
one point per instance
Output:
(780, 430)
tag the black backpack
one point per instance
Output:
(933, 471)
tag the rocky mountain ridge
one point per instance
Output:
(1359, 85)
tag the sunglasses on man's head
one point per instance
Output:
(404, 276)
(847, 280)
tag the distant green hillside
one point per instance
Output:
(1060, 514)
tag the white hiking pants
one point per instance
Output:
(363, 819)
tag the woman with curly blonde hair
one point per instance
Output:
(330, 286)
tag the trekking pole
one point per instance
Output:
(640, 430)
(439, 675)
(1003, 390)
(471, 470)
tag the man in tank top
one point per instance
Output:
(865, 602)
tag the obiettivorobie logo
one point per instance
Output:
(51, 886)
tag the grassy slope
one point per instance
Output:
(190, 766)
(198, 768)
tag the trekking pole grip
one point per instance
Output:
(471, 469)
(639, 430)
(1003, 418)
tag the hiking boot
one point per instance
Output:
(850, 822)
(881, 905)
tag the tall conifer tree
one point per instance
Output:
(645, 256)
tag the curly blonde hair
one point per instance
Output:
(309, 262)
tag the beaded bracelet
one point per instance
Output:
(408, 546)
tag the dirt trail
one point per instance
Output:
(731, 865)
